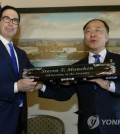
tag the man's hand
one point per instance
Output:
(105, 84)
(39, 86)
(26, 85)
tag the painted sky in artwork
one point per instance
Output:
(64, 25)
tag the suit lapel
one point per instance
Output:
(109, 57)
(83, 61)
(4, 53)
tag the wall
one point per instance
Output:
(58, 3)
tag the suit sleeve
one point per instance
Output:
(5, 94)
(117, 88)
(59, 93)
(117, 83)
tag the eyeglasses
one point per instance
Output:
(8, 19)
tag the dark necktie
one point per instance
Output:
(97, 61)
(97, 58)
(12, 54)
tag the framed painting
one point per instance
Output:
(54, 36)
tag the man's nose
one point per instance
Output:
(92, 33)
(11, 22)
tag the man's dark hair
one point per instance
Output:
(9, 7)
(105, 24)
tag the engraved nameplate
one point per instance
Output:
(72, 72)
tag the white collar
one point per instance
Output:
(102, 56)
(102, 53)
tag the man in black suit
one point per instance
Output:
(13, 88)
(98, 99)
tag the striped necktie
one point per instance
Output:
(97, 58)
(97, 61)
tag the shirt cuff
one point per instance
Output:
(15, 87)
(112, 87)
(43, 88)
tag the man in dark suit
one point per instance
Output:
(98, 99)
(13, 105)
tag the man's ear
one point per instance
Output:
(107, 37)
